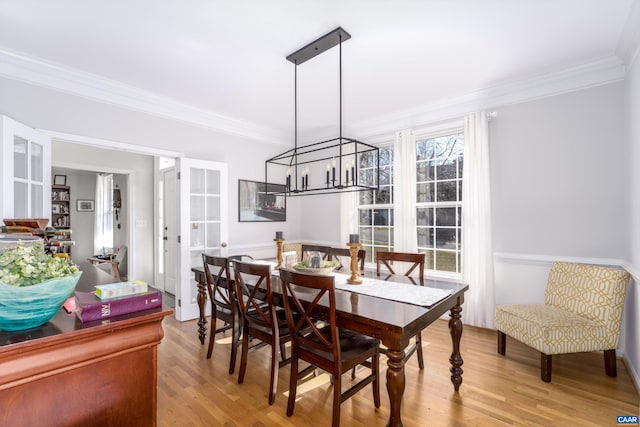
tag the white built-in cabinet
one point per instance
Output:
(25, 177)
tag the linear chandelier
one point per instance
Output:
(335, 165)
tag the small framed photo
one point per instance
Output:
(55, 208)
(83, 205)
(59, 179)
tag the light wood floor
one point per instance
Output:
(496, 390)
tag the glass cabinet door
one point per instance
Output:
(26, 171)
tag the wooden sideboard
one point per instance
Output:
(67, 373)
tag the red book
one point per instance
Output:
(89, 307)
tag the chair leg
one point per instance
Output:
(419, 350)
(545, 367)
(502, 342)
(212, 332)
(337, 399)
(375, 367)
(610, 363)
(244, 355)
(273, 383)
(293, 385)
(235, 339)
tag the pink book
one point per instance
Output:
(89, 307)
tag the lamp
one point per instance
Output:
(335, 165)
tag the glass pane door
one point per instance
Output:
(203, 202)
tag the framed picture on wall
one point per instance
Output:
(83, 205)
(60, 180)
(259, 201)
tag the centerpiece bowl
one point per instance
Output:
(325, 268)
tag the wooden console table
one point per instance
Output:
(67, 373)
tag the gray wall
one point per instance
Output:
(632, 313)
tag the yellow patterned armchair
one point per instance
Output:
(582, 312)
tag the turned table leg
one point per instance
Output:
(202, 302)
(395, 385)
(455, 329)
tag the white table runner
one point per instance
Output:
(403, 292)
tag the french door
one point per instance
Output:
(203, 188)
(25, 176)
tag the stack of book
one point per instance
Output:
(116, 299)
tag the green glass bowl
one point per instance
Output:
(25, 307)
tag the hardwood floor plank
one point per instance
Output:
(496, 390)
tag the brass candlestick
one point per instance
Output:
(279, 256)
(353, 251)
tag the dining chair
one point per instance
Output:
(416, 260)
(261, 319)
(224, 304)
(324, 251)
(340, 254)
(330, 348)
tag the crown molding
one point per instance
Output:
(629, 43)
(21, 67)
(31, 70)
(530, 88)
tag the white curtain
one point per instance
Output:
(477, 250)
(405, 238)
(103, 234)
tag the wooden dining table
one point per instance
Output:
(392, 322)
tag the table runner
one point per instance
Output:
(403, 292)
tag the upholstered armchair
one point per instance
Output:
(582, 312)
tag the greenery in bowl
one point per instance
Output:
(323, 264)
(27, 265)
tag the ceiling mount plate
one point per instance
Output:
(319, 46)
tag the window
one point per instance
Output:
(376, 207)
(438, 184)
(439, 163)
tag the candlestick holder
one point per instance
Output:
(279, 254)
(353, 251)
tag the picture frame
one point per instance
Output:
(260, 201)
(55, 208)
(85, 205)
(60, 180)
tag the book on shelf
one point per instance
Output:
(89, 307)
(120, 289)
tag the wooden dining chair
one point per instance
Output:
(340, 254)
(324, 251)
(261, 319)
(330, 348)
(417, 261)
(224, 304)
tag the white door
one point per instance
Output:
(203, 222)
(25, 178)
(170, 230)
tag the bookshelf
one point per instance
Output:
(61, 214)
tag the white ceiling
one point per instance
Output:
(226, 58)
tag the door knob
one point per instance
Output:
(223, 244)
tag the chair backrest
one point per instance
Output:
(253, 287)
(324, 251)
(301, 295)
(385, 258)
(342, 254)
(120, 254)
(219, 285)
(591, 291)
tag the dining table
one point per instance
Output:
(392, 322)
